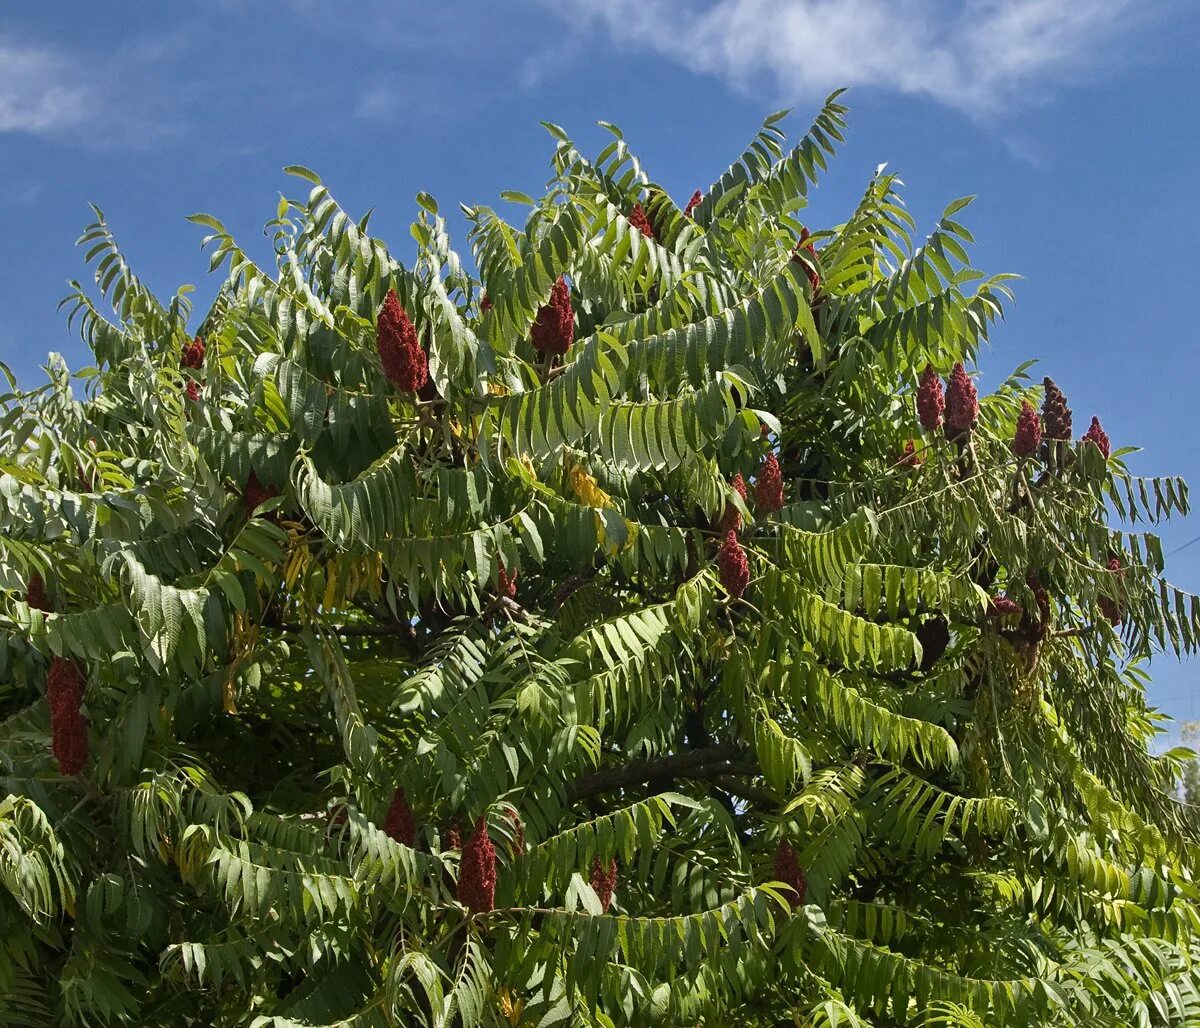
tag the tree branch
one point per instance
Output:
(709, 762)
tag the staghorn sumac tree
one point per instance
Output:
(652, 625)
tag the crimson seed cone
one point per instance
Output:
(193, 354)
(553, 329)
(604, 881)
(693, 203)
(1056, 415)
(1108, 606)
(193, 391)
(1028, 436)
(930, 401)
(506, 584)
(477, 871)
(732, 566)
(35, 593)
(68, 730)
(399, 824)
(400, 353)
(1096, 434)
(1000, 605)
(962, 403)
(452, 835)
(485, 304)
(638, 219)
(255, 494)
(768, 488)
(789, 871)
(731, 519)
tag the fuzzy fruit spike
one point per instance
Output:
(255, 494)
(604, 881)
(1096, 434)
(506, 584)
(732, 565)
(1108, 606)
(35, 593)
(399, 825)
(1028, 436)
(1055, 412)
(1040, 595)
(962, 403)
(68, 730)
(910, 458)
(400, 353)
(193, 354)
(477, 871)
(193, 391)
(731, 519)
(553, 329)
(638, 219)
(693, 203)
(789, 871)
(1000, 605)
(485, 304)
(930, 400)
(518, 839)
(768, 489)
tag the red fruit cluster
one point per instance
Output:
(518, 839)
(910, 458)
(255, 494)
(693, 203)
(477, 871)
(506, 584)
(1040, 595)
(768, 487)
(452, 835)
(1055, 413)
(810, 266)
(962, 403)
(1096, 434)
(193, 390)
(732, 566)
(1000, 605)
(789, 871)
(1028, 436)
(731, 519)
(1108, 606)
(930, 401)
(192, 355)
(638, 219)
(485, 304)
(399, 824)
(553, 329)
(404, 362)
(604, 881)
(68, 730)
(35, 593)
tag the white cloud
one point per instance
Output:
(970, 54)
(39, 90)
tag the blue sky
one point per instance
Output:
(1075, 122)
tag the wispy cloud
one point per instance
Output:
(40, 90)
(975, 55)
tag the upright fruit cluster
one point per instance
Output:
(962, 403)
(768, 486)
(400, 825)
(639, 220)
(931, 402)
(789, 871)
(68, 729)
(404, 361)
(604, 881)
(1056, 415)
(732, 565)
(1028, 436)
(554, 327)
(477, 871)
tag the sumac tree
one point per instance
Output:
(654, 625)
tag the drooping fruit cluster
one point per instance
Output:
(1028, 436)
(68, 729)
(404, 362)
(604, 881)
(477, 871)
(192, 355)
(810, 265)
(399, 824)
(1108, 606)
(1001, 606)
(553, 329)
(1096, 434)
(506, 584)
(789, 871)
(732, 566)
(930, 400)
(639, 220)
(962, 403)
(35, 593)
(255, 494)
(518, 837)
(731, 519)
(693, 203)
(768, 487)
(1056, 415)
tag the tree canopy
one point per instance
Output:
(643, 622)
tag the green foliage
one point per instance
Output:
(985, 834)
